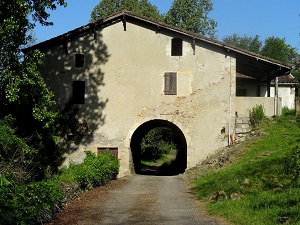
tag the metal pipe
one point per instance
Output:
(230, 106)
(276, 97)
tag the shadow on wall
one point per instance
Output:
(81, 106)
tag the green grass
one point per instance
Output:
(165, 158)
(153, 161)
(269, 196)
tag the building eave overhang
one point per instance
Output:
(267, 66)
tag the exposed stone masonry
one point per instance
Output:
(242, 128)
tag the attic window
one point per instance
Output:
(170, 83)
(176, 48)
(78, 92)
(79, 60)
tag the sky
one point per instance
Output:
(265, 18)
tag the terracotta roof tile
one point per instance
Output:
(281, 79)
(243, 76)
(287, 79)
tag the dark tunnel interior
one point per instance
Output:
(180, 162)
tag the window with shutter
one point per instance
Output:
(170, 83)
(78, 92)
(176, 48)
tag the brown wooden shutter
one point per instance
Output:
(170, 83)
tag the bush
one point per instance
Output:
(94, 171)
(257, 115)
(34, 203)
(288, 112)
(298, 118)
(26, 158)
(16, 157)
(37, 202)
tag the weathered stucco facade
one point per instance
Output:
(125, 62)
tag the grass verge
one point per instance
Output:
(262, 185)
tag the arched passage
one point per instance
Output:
(137, 137)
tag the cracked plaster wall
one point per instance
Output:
(124, 75)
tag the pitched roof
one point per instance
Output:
(243, 76)
(284, 79)
(287, 79)
(249, 58)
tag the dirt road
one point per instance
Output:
(138, 200)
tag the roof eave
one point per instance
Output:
(120, 15)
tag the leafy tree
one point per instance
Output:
(23, 93)
(150, 11)
(192, 15)
(19, 77)
(296, 73)
(250, 43)
(141, 7)
(277, 48)
(272, 47)
(157, 142)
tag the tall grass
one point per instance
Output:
(268, 193)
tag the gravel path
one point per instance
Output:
(138, 200)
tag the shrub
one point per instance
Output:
(288, 112)
(37, 202)
(16, 157)
(257, 115)
(95, 170)
(34, 203)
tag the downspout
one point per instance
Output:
(268, 86)
(276, 97)
(230, 106)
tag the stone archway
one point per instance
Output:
(140, 132)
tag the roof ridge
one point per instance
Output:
(159, 23)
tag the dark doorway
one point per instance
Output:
(179, 163)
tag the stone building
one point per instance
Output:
(121, 76)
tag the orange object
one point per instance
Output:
(232, 139)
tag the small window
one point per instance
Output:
(170, 83)
(79, 60)
(78, 92)
(176, 49)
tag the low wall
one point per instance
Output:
(242, 128)
(244, 104)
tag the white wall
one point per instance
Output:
(286, 93)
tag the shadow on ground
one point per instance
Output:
(159, 170)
